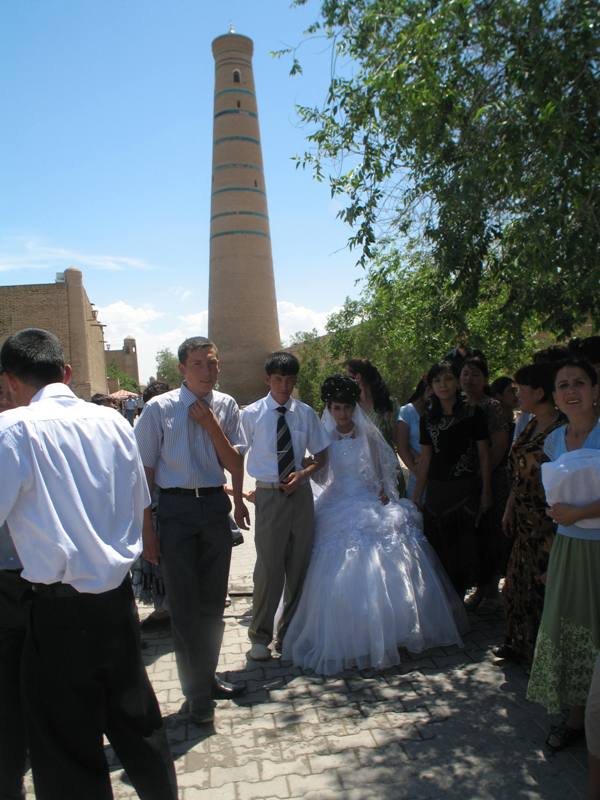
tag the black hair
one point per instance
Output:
(551, 355)
(537, 376)
(282, 363)
(340, 389)
(478, 362)
(589, 349)
(581, 363)
(435, 412)
(100, 399)
(457, 356)
(500, 384)
(380, 393)
(195, 343)
(419, 391)
(34, 356)
(154, 389)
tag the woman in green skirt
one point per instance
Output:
(568, 641)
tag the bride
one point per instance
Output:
(374, 584)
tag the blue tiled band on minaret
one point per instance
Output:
(236, 91)
(238, 189)
(236, 111)
(235, 233)
(237, 139)
(238, 213)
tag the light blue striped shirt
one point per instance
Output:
(180, 451)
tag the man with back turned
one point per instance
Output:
(73, 495)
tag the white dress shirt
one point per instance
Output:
(259, 422)
(180, 451)
(73, 490)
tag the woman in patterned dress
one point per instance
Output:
(568, 640)
(525, 517)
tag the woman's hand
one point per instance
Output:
(384, 499)
(564, 513)
(508, 518)
(485, 503)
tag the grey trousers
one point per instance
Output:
(195, 544)
(284, 539)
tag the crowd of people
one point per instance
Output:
(357, 559)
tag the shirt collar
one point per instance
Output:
(53, 390)
(188, 398)
(273, 404)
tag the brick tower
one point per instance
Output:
(242, 309)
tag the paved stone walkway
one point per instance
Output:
(448, 724)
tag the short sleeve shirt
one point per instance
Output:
(453, 441)
(259, 422)
(410, 416)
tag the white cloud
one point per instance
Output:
(180, 292)
(31, 254)
(294, 319)
(197, 323)
(156, 330)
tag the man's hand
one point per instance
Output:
(383, 498)
(241, 515)
(151, 551)
(202, 414)
(292, 482)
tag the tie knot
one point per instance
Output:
(281, 409)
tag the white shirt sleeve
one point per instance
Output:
(13, 472)
(318, 439)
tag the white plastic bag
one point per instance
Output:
(574, 478)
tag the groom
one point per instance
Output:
(279, 430)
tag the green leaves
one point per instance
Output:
(464, 134)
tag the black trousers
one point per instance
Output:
(83, 677)
(14, 613)
(195, 544)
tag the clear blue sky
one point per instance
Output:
(105, 154)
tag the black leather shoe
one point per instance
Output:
(226, 691)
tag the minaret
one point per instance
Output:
(242, 309)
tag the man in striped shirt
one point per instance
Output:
(186, 438)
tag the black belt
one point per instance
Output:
(199, 492)
(54, 590)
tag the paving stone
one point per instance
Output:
(276, 787)
(226, 792)
(301, 784)
(296, 766)
(222, 775)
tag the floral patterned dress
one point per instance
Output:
(534, 533)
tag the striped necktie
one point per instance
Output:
(285, 450)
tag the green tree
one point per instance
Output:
(464, 135)
(125, 381)
(167, 368)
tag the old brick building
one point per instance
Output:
(125, 359)
(62, 307)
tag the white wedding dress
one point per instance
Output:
(374, 583)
